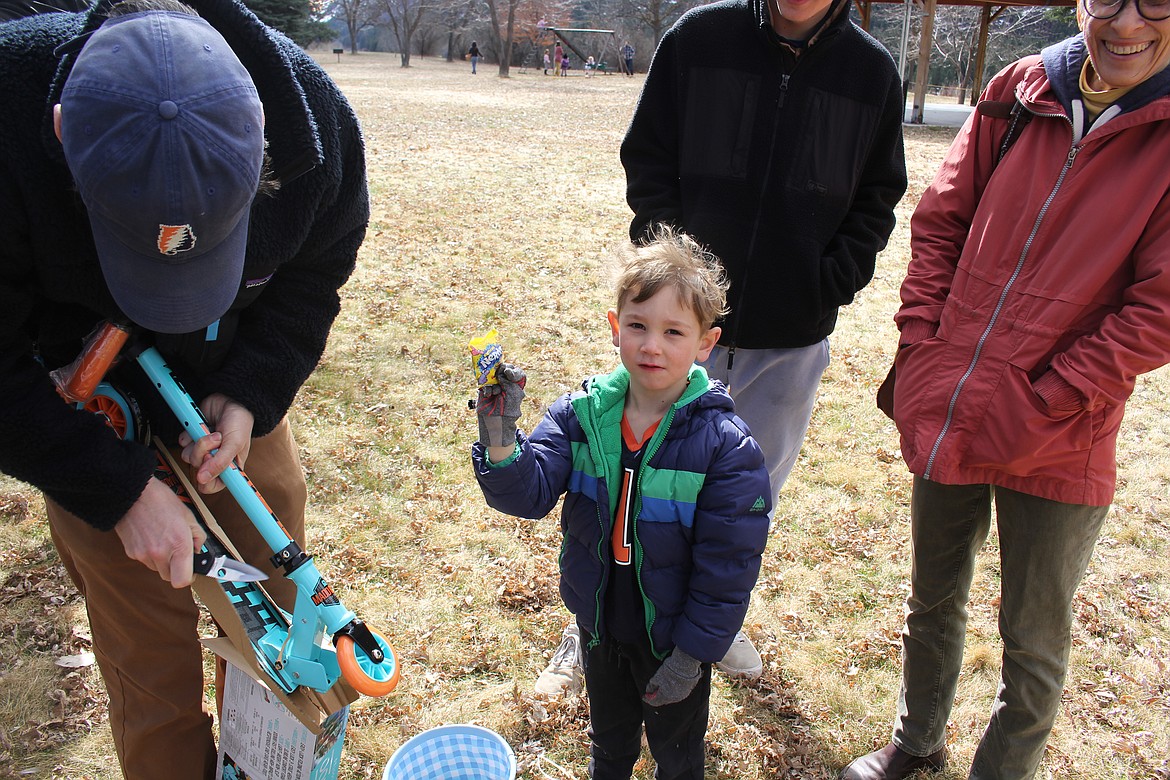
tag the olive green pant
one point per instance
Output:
(1044, 549)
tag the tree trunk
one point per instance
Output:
(353, 34)
(506, 48)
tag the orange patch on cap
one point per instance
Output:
(173, 239)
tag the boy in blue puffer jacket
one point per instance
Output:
(666, 507)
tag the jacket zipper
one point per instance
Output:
(604, 553)
(634, 527)
(1072, 155)
(738, 309)
(598, 601)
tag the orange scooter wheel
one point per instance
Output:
(367, 677)
(109, 408)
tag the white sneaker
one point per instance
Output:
(565, 671)
(742, 660)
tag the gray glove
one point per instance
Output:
(674, 680)
(498, 407)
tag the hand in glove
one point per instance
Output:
(674, 680)
(498, 407)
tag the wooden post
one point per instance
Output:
(864, 9)
(981, 57)
(925, 43)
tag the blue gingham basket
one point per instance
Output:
(453, 753)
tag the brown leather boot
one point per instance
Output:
(892, 763)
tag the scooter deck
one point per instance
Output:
(246, 613)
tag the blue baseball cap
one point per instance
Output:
(163, 132)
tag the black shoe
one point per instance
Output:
(892, 763)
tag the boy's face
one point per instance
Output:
(658, 340)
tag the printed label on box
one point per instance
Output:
(259, 739)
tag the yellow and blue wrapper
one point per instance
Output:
(486, 354)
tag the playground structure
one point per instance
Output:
(563, 34)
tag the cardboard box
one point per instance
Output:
(260, 739)
(312, 707)
(265, 734)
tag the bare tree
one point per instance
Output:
(1013, 32)
(455, 16)
(358, 15)
(1020, 31)
(655, 15)
(405, 17)
(430, 30)
(503, 18)
(956, 37)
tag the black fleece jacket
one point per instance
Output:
(787, 168)
(302, 246)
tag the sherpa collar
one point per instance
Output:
(762, 10)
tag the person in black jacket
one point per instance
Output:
(774, 136)
(200, 177)
(474, 54)
(771, 131)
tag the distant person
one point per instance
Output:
(474, 54)
(590, 64)
(558, 57)
(565, 65)
(665, 512)
(796, 203)
(547, 62)
(1038, 290)
(628, 57)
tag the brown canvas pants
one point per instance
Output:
(144, 631)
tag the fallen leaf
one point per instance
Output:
(79, 661)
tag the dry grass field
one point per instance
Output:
(493, 203)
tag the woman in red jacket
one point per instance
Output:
(1038, 290)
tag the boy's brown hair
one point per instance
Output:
(670, 258)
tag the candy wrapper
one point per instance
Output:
(486, 354)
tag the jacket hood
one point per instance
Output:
(601, 402)
(606, 392)
(1064, 61)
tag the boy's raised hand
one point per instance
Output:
(498, 407)
(674, 680)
